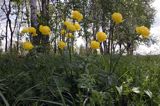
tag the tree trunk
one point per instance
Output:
(45, 17)
(6, 37)
(7, 10)
(35, 40)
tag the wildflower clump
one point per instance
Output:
(45, 30)
(94, 45)
(101, 36)
(77, 15)
(144, 31)
(62, 44)
(117, 17)
(27, 45)
(69, 27)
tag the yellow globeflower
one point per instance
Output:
(27, 45)
(77, 15)
(25, 30)
(45, 30)
(32, 30)
(70, 26)
(62, 44)
(117, 17)
(63, 32)
(66, 23)
(144, 31)
(95, 45)
(101, 36)
(138, 30)
(69, 35)
(34, 34)
(77, 26)
(80, 18)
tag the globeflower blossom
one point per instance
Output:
(77, 26)
(138, 30)
(77, 15)
(94, 45)
(101, 36)
(45, 30)
(144, 31)
(34, 34)
(32, 31)
(70, 26)
(66, 23)
(27, 45)
(117, 17)
(62, 44)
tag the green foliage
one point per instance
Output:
(64, 78)
(46, 79)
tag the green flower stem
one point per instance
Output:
(111, 54)
(70, 54)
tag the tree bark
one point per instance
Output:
(45, 17)
(34, 23)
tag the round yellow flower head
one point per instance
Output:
(63, 32)
(45, 30)
(69, 35)
(117, 17)
(66, 23)
(101, 36)
(27, 45)
(32, 30)
(77, 15)
(95, 45)
(138, 30)
(25, 30)
(70, 26)
(80, 18)
(34, 34)
(77, 26)
(62, 44)
(144, 31)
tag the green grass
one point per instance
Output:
(54, 80)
